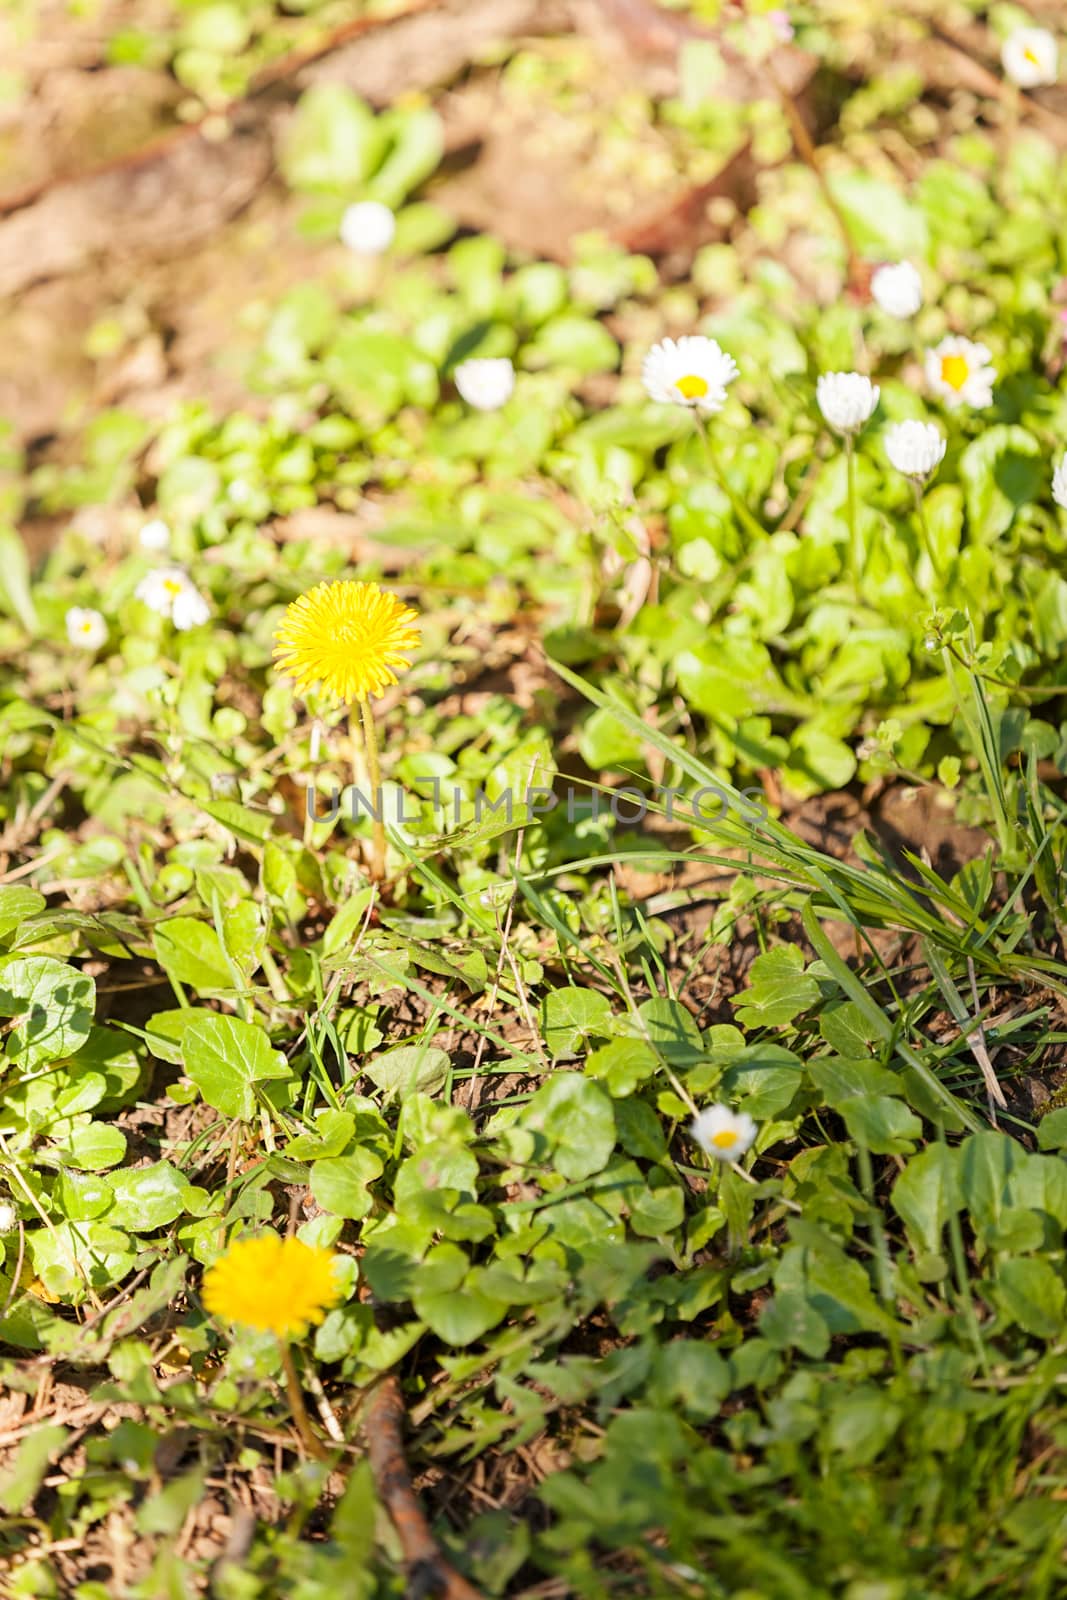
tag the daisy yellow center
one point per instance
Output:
(173, 586)
(692, 387)
(725, 1139)
(280, 1286)
(1031, 56)
(87, 627)
(346, 638)
(954, 370)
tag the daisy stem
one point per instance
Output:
(750, 1177)
(374, 772)
(741, 511)
(920, 512)
(855, 554)
(311, 1443)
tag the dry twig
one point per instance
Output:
(429, 1573)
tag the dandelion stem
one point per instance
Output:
(311, 1443)
(374, 772)
(741, 511)
(924, 529)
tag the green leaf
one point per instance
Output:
(658, 1209)
(987, 1163)
(569, 1017)
(16, 597)
(81, 1198)
(149, 1197)
(765, 1077)
(578, 1120)
(690, 1371)
(53, 1006)
(727, 677)
(448, 1297)
(16, 904)
(253, 826)
(1052, 1130)
(778, 989)
(881, 222)
(165, 1030)
(418, 145)
(671, 1031)
(839, 1080)
(411, 1069)
(1001, 470)
(341, 1184)
(69, 1256)
(94, 1147)
(333, 141)
(861, 1425)
(603, 742)
(22, 1479)
(1030, 1292)
(883, 1125)
(622, 1064)
(790, 1322)
(576, 344)
(191, 952)
(224, 1057)
(818, 760)
(373, 370)
(927, 1193)
(846, 1030)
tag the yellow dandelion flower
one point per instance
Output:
(347, 638)
(280, 1285)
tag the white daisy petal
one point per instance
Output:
(155, 535)
(486, 383)
(86, 629)
(9, 1217)
(898, 289)
(190, 610)
(170, 592)
(960, 373)
(1030, 57)
(691, 371)
(846, 400)
(723, 1134)
(368, 228)
(1059, 483)
(915, 448)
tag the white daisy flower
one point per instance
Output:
(9, 1217)
(86, 628)
(1059, 483)
(691, 371)
(368, 228)
(155, 535)
(722, 1133)
(1030, 57)
(959, 371)
(915, 448)
(173, 594)
(485, 383)
(898, 289)
(846, 399)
